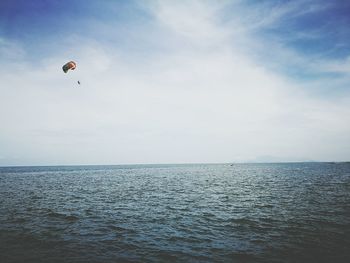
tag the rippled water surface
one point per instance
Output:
(176, 213)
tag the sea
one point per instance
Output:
(282, 212)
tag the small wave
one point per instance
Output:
(120, 229)
(117, 228)
(62, 216)
(243, 221)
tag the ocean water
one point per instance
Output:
(296, 212)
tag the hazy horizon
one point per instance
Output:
(174, 82)
(172, 164)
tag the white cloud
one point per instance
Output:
(201, 101)
(336, 66)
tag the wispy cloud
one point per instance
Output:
(293, 35)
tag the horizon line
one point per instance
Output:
(194, 163)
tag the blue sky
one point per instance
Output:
(314, 29)
(174, 81)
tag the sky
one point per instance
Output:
(174, 81)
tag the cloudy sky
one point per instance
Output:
(174, 81)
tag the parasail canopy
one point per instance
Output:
(71, 65)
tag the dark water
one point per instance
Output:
(176, 213)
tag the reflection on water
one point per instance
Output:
(176, 213)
